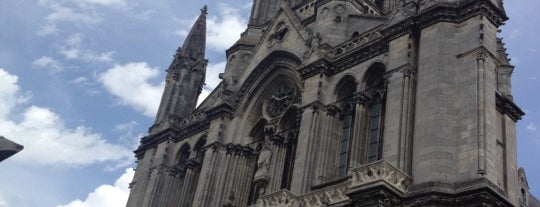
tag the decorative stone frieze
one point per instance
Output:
(282, 198)
(324, 197)
(380, 173)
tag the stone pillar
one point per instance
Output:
(205, 184)
(400, 102)
(176, 183)
(399, 118)
(188, 184)
(481, 112)
(154, 192)
(359, 144)
(306, 151)
(223, 173)
(328, 145)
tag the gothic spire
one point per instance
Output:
(186, 74)
(194, 45)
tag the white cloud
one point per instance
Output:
(48, 62)
(60, 12)
(3, 201)
(212, 74)
(81, 81)
(81, 12)
(531, 127)
(9, 93)
(131, 84)
(72, 50)
(106, 3)
(107, 195)
(127, 133)
(212, 79)
(47, 140)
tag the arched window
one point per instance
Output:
(257, 136)
(289, 132)
(183, 155)
(376, 89)
(199, 151)
(345, 93)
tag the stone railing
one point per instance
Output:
(193, 118)
(378, 173)
(364, 177)
(306, 11)
(281, 198)
(327, 196)
(319, 198)
(360, 41)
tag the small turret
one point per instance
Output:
(186, 74)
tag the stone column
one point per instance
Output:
(205, 184)
(399, 118)
(154, 193)
(326, 144)
(481, 110)
(359, 144)
(188, 186)
(306, 151)
(222, 174)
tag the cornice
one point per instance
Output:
(507, 106)
(153, 140)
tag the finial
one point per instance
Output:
(204, 10)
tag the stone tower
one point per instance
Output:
(344, 103)
(184, 83)
(186, 74)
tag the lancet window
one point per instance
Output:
(376, 90)
(346, 92)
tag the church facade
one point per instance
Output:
(341, 103)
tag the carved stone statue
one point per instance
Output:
(263, 163)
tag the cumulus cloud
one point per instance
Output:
(224, 30)
(107, 195)
(48, 62)
(131, 84)
(212, 74)
(9, 93)
(41, 131)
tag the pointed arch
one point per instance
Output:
(375, 90)
(264, 107)
(276, 69)
(288, 126)
(345, 91)
(183, 154)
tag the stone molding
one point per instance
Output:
(380, 173)
(508, 107)
(324, 197)
(377, 173)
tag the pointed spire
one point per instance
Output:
(186, 74)
(194, 45)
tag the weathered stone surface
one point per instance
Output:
(342, 103)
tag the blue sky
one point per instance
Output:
(80, 83)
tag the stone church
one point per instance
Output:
(341, 103)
